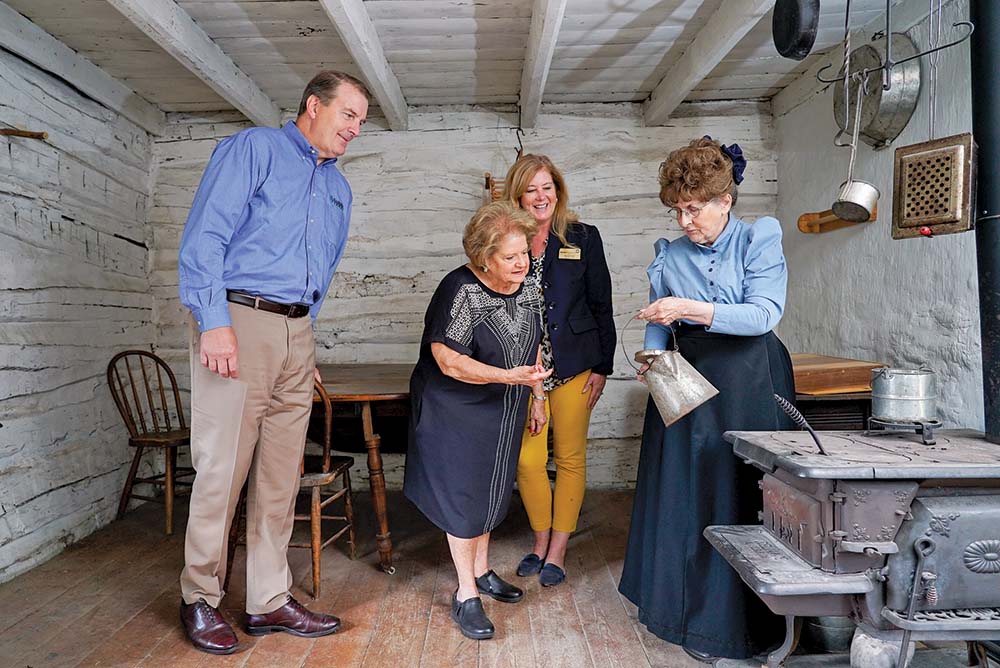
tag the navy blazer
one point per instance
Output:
(578, 304)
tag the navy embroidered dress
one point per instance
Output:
(464, 438)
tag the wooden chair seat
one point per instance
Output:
(164, 439)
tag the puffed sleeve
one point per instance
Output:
(764, 284)
(449, 317)
(657, 336)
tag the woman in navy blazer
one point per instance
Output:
(578, 342)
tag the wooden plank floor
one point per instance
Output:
(111, 601)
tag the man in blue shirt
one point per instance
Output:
(264, 235)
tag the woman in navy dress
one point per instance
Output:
(719, 290)
(479, 359)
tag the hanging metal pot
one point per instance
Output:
(793, 27)
(886, 111)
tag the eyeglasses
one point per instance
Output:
(692, 211)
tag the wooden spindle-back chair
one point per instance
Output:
(145, 391)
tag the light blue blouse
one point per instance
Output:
(743, 273)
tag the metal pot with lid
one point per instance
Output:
(904, 395)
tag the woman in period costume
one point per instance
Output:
(720, 290)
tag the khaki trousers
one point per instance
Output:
(253, 425)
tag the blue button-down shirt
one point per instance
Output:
(266, 220)
(743, 274)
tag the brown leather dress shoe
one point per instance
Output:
(206, 628)
(293, 618)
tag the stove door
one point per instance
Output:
(795, 518)
(869, 515)
(960, 538)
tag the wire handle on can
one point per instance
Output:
(621, 340)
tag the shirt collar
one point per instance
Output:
(302, 144)
(727, 233)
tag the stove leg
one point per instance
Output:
(793, 625)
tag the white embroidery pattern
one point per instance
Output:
(516, 325)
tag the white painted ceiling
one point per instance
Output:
(441, 51)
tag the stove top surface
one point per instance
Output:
(960, 453)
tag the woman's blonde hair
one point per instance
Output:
(490, 224)
(519, 177)
(699, 172)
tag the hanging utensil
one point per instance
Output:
(793, 27)
(676, 387)
(886, 111)
(857, 199)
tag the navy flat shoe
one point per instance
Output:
(551, 575)
(531, 564)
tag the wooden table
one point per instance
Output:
(360, 385)
(833, 393)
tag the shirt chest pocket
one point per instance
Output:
(335, 223)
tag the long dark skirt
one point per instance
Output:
(689, 479)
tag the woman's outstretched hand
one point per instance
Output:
(527, 375)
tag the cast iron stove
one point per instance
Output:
(901, 536)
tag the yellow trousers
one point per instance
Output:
(569, 418)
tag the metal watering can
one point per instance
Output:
(676, 387)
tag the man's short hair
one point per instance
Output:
(325, 84)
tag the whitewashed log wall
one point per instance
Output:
(858, 293)
(74, 290)
(415, 190)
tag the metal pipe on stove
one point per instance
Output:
(985, 51)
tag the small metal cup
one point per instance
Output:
(856, 201)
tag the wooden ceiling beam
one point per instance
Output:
(358, 33)
(175, 31)
(25, 39)
(546, 19)
(723, 30)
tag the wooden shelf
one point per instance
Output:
(826, 221)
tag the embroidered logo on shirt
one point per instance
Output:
(336, 202)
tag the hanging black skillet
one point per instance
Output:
(793, 25)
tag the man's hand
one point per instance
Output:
(218, 352)
(317, 377)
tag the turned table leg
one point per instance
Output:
(376, 479)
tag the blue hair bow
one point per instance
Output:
(735, 153)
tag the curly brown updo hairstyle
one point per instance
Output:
(698, 172)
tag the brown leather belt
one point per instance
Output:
(287, 310)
